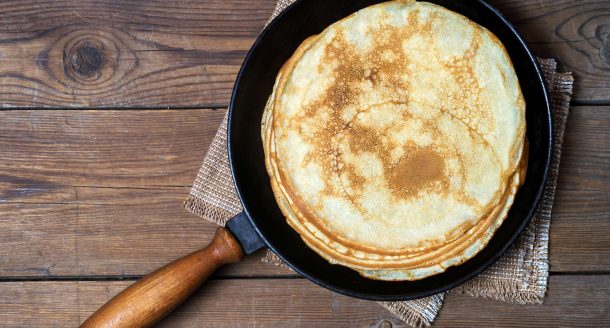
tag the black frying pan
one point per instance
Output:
(262, 223)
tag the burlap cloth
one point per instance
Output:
(520, 276)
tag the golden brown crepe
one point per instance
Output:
(394, 140)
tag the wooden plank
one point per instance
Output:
(574, 32)
(124, 53)
(135, 232)
(571, 301)
(100, 192)
(585, 162)
(44, 150)
(580, 233)
(118, 232)
(186, 54)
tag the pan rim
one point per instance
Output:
(277, 249)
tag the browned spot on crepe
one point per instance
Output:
(419, 169)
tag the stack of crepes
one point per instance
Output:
(394, 140)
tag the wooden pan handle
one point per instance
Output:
(154, 296)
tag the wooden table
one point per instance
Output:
(110, 106)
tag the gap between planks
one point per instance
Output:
(228, 277)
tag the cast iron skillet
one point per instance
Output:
(262, 223)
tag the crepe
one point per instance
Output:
(394, 140)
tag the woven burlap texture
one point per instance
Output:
(520, 276)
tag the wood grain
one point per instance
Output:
(574, 32)
(96, 193)
(585, 161)
(139, 230)
(580, 233)
(101, 192)
(160, 54)
(124, 53)
(153, 297)
(94, 238)
(571, 301)
(45, 150)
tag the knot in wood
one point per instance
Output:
(86, 59)
(604, 51)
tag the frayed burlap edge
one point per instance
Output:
(271, 257)
(213, 214)
(416, 313)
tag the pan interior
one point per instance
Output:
(255, 82)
